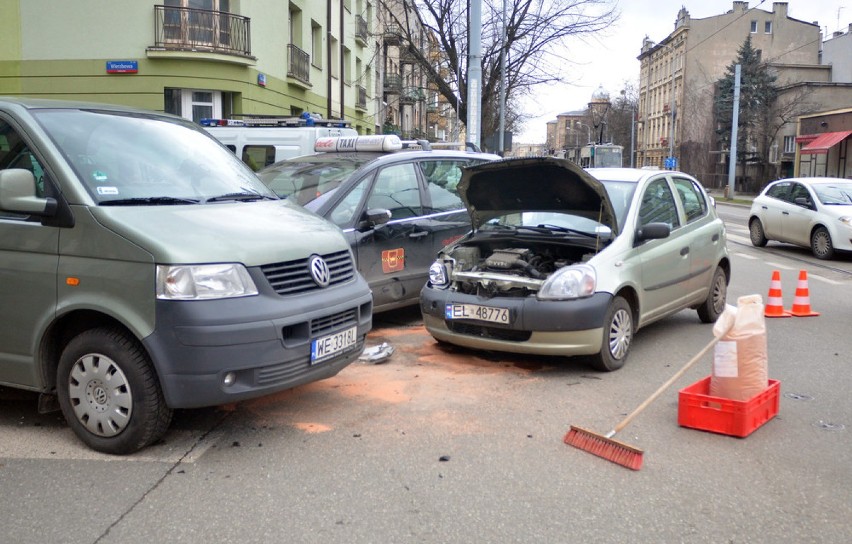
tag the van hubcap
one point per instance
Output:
(100, 395)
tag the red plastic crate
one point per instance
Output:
(698, 410)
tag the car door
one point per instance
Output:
(772, 207)
(797, 215)
(703, 231)
(665, 263)
(445, 214)
(28, 264)
(393, 257)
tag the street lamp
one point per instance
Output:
(579, 124)
(598, 107)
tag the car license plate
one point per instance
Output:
(332, 345)
(477, 312)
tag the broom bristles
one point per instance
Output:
(606, 448)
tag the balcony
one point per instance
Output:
(298, 64)
(410, 95)
(361, 102)
(392, 35)
(393, 83)
(200, 30)
(361, 30)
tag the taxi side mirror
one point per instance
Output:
(374, 217)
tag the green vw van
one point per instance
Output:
(144, 267)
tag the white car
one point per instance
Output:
(808, 212)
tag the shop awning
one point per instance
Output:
(825, 141)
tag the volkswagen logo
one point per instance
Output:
(319, 271)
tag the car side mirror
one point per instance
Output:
(18, 194)
(374, 217)
(652, 231)
(804, 202)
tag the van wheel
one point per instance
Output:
(109, 393)
(712, 308)
(617, 336)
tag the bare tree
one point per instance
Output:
(536, 46)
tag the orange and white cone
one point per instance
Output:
(774, 302)
(802, 301)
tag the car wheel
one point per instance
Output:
(109, 392)
(821, 245)
(712, 308)
(755, 229)
(617, 336)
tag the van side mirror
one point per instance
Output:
(18, 194)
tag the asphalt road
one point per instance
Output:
(450, 445)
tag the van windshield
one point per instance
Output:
(141, 159)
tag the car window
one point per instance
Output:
(694, 203)
(834, 193)
(258, 156)
(397, 190)
(442, 179)
(304, 181)
(797, 190)
(779, 190)
(658, 205)
(14, 153)
(344, 211)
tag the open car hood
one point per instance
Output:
(543, 184)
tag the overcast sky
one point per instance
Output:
(610, 59)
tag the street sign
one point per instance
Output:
(670, 163)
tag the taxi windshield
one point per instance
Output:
(308, 178)
(140, 159)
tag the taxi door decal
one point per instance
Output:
(393, 260)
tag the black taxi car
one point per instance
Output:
(395, 201)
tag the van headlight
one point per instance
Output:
(203, 281)
(569, 282)
(438, 274)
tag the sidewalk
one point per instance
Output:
(739, 199)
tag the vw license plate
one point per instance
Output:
(477, 312)
(332, 345)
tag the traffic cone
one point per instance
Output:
(802, 301)
(774, 303)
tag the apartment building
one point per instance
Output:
(198, 58)
(678, 77)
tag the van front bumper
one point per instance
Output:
(263, 342)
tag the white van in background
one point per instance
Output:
(262, 141)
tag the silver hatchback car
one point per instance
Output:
(566, 261)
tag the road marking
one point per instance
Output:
(52, 443)
(825, 280)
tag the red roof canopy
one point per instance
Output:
(825, 141)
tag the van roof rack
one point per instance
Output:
(251, 120)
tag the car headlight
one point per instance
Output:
(203, 281)
(569, 282)
(438, 274)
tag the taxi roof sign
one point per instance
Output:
(381, 143)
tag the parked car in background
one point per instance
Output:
(807, 212)
(396, 202)
(564, 261)
(145, 268)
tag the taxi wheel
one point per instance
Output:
(109, 392)
(755, 230)
(617, 337)
(821, 245)
(712, 308)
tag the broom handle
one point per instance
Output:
(665, 386)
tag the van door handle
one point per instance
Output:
(419, 234)
(685, 251)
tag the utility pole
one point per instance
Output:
(474, 72)
(502, 129)
(732, 166)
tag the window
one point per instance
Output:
(195, 22)
(193, 104)
(658, 205)
(789, 144)
(779, 190)
(335, 56)
(258, 156)
(692, 198)
(397, 190)
(799, 191)
(347, 66)
(14, 153)
(754, 27)
(767, 27)
(442, 178)
(316, 44)
(295, 26)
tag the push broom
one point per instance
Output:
(618, 452)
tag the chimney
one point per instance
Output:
(740, 6)
(780, 9)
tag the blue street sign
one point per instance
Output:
(670, 163)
